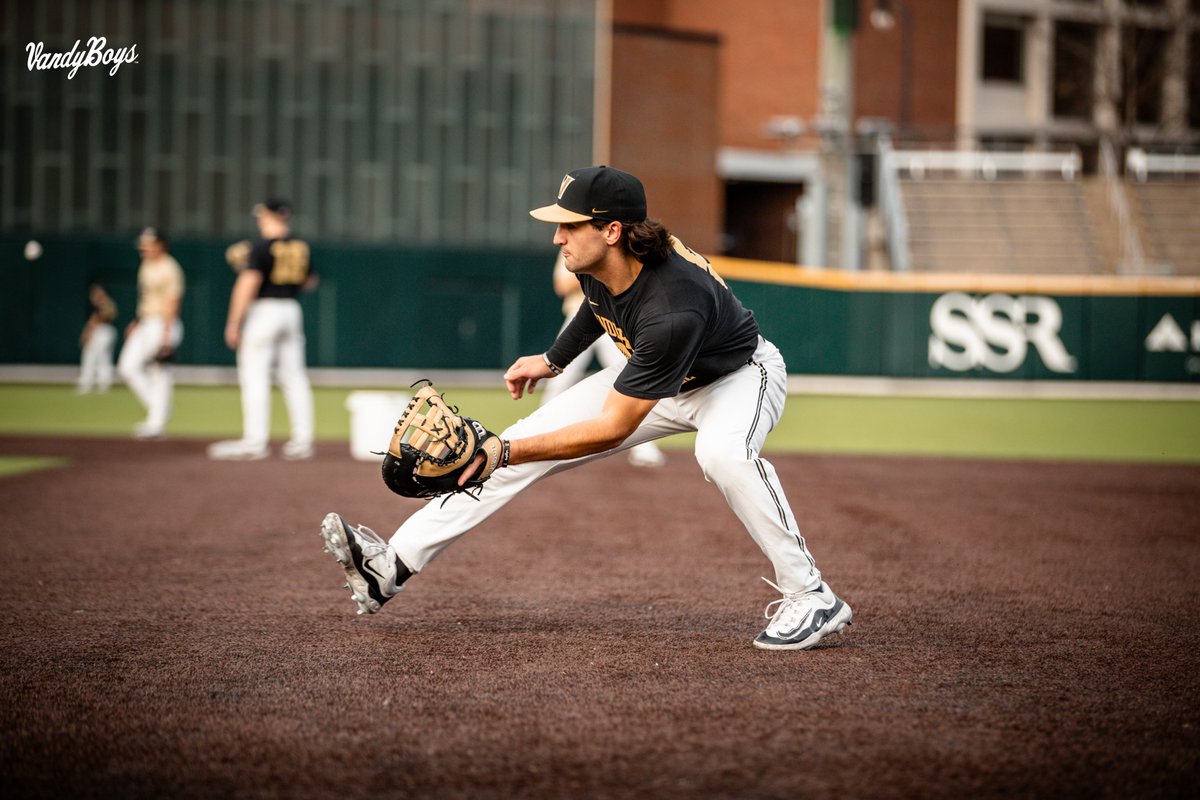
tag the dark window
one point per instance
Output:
(1193, 88)
(1003, 51)
(1143, 68)
(1074, 68)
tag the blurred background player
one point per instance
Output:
(266, 328)
(98, 341)
(566, 286)
(153, 336)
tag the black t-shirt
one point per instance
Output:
(679, 324)
(284, 263)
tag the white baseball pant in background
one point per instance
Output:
(606, 352)
(152, 382)
(96, 362)
(603, 349)
(273, 336)
(731, 418)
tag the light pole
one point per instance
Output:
(886, 15)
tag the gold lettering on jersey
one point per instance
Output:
(616, 334)
(697, 259)
(290, 267)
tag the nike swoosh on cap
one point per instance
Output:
(599, 210)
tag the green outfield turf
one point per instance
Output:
(13, 465)
(1125, 430)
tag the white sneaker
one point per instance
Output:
(144, 431)
(237, 450)
(803, 619)
(374, 573)
(297, 451)
(646, 454)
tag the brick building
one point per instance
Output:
(794, 84)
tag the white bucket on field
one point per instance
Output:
(373, 416)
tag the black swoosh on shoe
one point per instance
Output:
(369, 576)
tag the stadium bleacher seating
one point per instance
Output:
(1035, 213)
(1003, 225)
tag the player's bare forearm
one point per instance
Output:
(245, 288)
(573, 441)
(618, 419)
(172, 314)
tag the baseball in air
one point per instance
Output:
(33, 250)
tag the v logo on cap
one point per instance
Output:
(599, 193)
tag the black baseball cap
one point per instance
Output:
(276, 205)
(602, 193)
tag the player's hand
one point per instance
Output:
(471, 469)
(233, 336)
(523, 375)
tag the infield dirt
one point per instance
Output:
(171, 628)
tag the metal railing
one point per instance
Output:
(1145, 166)
(891, 206)
(988, 164)
(1133, 255)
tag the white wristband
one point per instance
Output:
(557, 370)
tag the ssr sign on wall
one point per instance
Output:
(996, 333)
(1101, 335)
(1001, 327)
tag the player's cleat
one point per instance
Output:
(374, 573)
(144, 431)
(297, 451)
(237, 450)
(803, 619)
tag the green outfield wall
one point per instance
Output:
(376, 306)
(384, 306)
(1018, 327)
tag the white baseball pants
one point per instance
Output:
(152, 382)
(273, 336)
(731, 418)
(96, 362)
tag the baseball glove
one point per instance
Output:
(432, 445)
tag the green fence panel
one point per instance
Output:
(376, 306)
(994, 335)
(1167, 329)
(1111, 353)
(392, 306)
